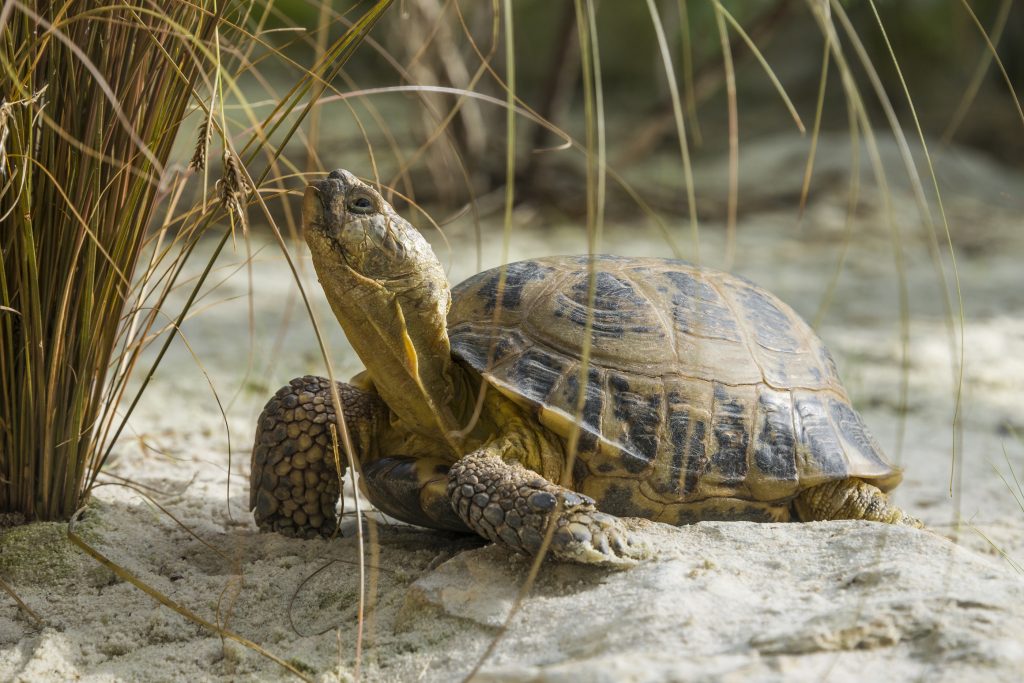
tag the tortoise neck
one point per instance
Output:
(398, 329)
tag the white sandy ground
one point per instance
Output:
(841, 601)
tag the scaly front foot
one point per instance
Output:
(294, 483)
(509, 504)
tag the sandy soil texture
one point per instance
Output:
(839, 601)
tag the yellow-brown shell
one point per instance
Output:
(705, 396)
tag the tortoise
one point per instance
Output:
(559, 396)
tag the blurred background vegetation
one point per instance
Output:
(959, 93)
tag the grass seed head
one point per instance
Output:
(198, 162)
(232, 186)
(5, 119)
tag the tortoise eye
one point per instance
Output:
(360, 204)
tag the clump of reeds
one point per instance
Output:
(93, 98)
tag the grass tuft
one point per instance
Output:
(84, 168)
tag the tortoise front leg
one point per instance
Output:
(509, 504)
(293, 485)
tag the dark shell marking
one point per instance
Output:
(700, 386)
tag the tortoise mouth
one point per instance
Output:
(320, 228)
(313, 207)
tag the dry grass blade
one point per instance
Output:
(359, 536)
(677, 112)
(689, 93)
(995, 55)
(1017, 566)
(5, 121)
(167, 602)
(590, 62)
(816, 129)
(1016, 489)
(7, 588)
(510, 134)
(959, 342)
(723, 12)
(998, 26)
(823, 15)
(734, 138)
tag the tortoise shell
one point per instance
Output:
(705, 397)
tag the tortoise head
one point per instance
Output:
(390, 294)
(349, 224)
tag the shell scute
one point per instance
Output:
(770, 326)
(504, 286)
(699, 310)
(592, 412)
(730, 424)
(636, 412)
(535, 373)
(821, 459)
(775, 443)
(855, 435)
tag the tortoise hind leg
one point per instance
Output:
(413, 490)
(509, 504)
(850, 499)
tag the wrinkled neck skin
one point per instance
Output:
(397, 326)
